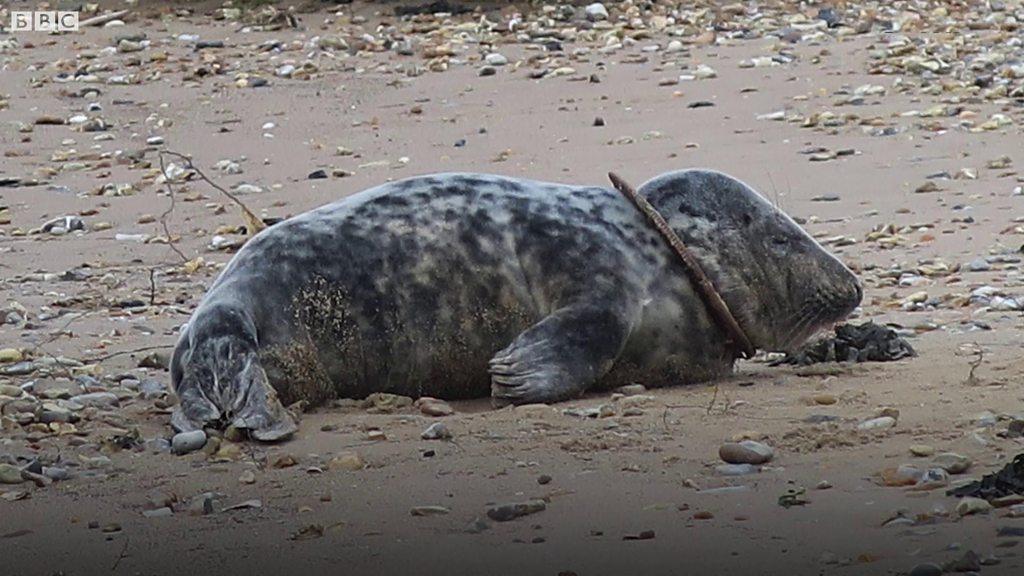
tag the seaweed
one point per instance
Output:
(867, 342)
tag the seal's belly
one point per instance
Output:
(427, 328)
(442, 351)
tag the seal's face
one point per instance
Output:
(779, 283)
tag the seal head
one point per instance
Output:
(780, 284)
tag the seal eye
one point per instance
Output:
(780, 241)
(747, 219)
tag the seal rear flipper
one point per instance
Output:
(219, 380)
(560, 356)
(259, 410)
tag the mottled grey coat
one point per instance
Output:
(464, 285)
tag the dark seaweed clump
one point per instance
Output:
(867, 342)
(1009, 480)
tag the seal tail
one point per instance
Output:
(217, 376)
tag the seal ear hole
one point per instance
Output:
(747, 219)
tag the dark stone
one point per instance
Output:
(204, 44)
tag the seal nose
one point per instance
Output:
(854, 294)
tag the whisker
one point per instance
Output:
(807, 321)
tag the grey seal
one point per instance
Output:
(463, 285)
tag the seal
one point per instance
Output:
(463, 285)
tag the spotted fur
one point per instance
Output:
(464, 285)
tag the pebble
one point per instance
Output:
(969, 505)
(511, 511)
(880, 423)
(825, 399)
(247, 477)
(926, 570)
(55, 473)
(596, 12)
(282, 461)
(185, 442)
(969, 562)
(429, 510)
(986, 419)
(437, 431)
(745, 452)
(98, 399)
(736, 469)
(979, 265)
(495, 59)
(434, 407)
(931, 479)
(10, 474)
(158, 513)
(477, 525)
(952, 462)
(201, 505)
(350, 461)
(922, 450)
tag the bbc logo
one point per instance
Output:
(44, 21)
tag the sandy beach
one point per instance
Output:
(891, 131)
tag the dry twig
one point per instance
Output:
(253, 222)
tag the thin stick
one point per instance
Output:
(718, 308)
(163, 217)
(120, 556)
(252, 220)
(102, 18)
(132, 351)
(152, 286)
(714, 398)
(971, 378)
(53, 338)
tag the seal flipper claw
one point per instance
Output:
(560, 356)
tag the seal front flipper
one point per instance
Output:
(562, 355)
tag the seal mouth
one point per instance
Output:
(821, 312)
